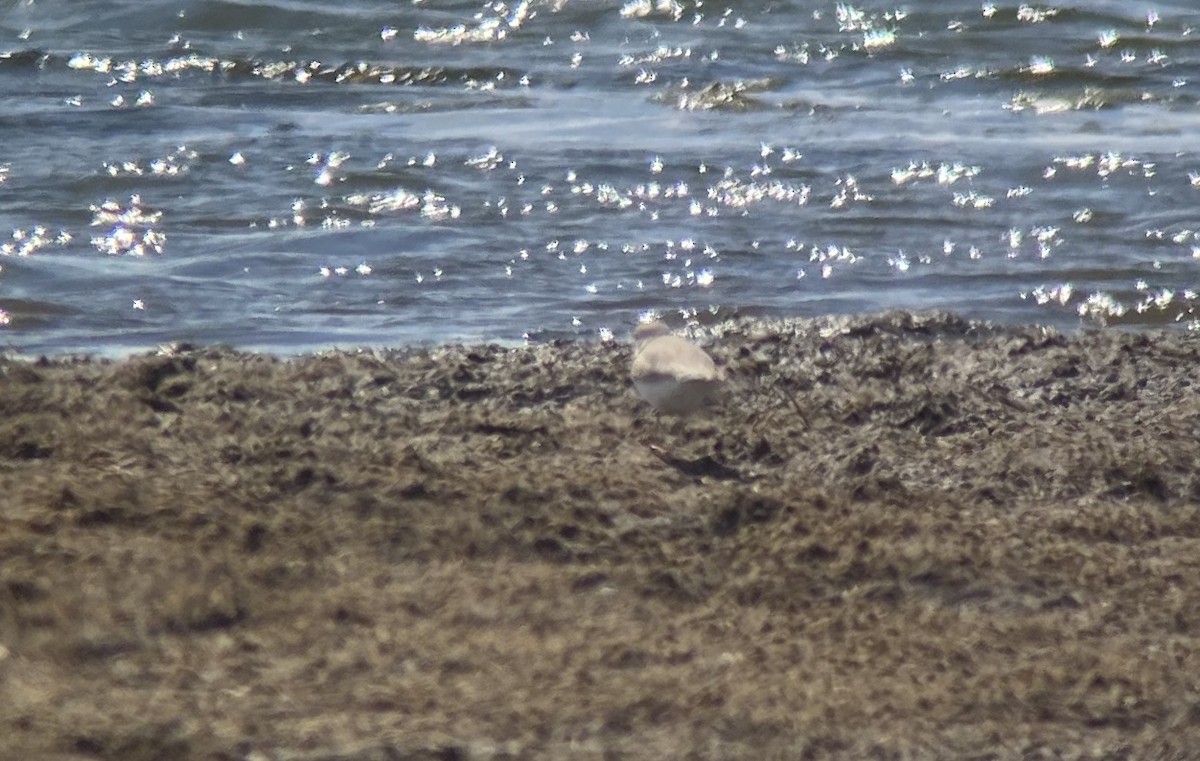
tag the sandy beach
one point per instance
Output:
(896, 536)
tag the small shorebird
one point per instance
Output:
(676, 376)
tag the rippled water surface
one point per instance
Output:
(290, 175)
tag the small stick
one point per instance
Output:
(796, 405)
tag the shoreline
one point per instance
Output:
(979, 539)
(709, 325)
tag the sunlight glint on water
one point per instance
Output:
(374, 174)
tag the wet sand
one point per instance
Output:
(898, 536)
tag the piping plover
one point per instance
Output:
(676, 376)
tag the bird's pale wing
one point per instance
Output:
(673, 357)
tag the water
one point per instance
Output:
(287, 176)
